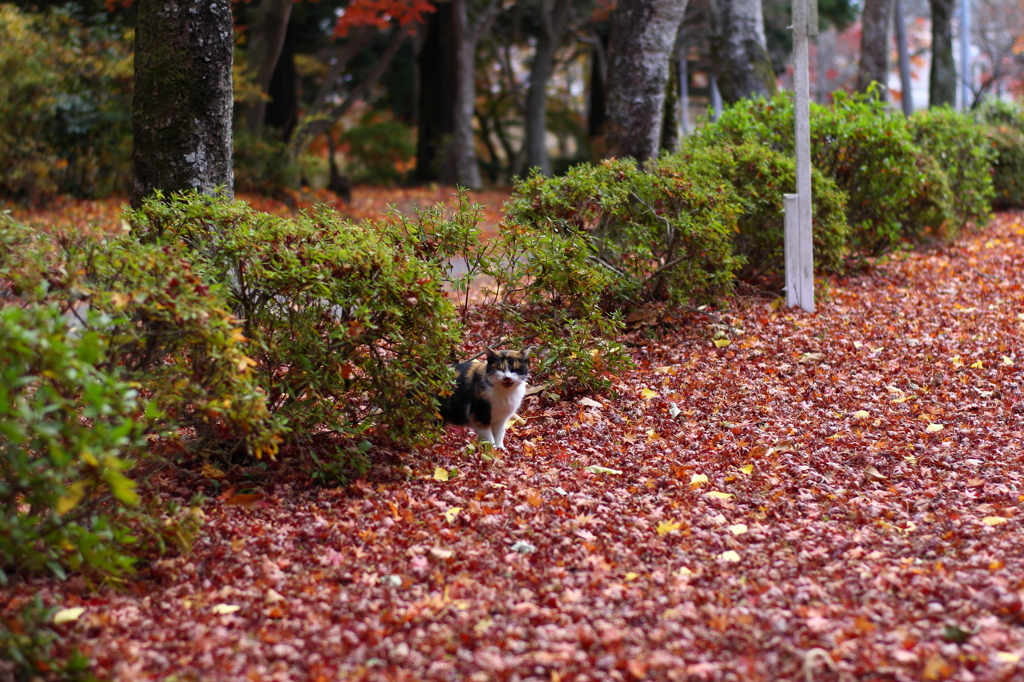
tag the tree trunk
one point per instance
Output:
(468, 31)
(739, 56)
(283, 107)
(181, 115)
(942, 78)
(874, 46)
(597, 97)
(266, 40)
(553, 21)
(643, 33)
(436, 120)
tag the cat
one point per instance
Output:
(488, 393)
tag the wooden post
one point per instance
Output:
(800, 270)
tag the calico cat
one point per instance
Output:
(488, 393)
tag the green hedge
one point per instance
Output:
(1003, 123)
(760, 176)
(894, 188)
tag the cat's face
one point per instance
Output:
(508, 367)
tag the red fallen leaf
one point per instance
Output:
(246, 501)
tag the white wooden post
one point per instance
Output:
(799, 250)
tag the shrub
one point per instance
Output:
(760, 177)
(29, 646)
(659, 236)
(961, 149)
(378, 150)
(263, 165)
(892, 191)
(64, 429)
(346, 328)
(1003, 124)
(169, 331)
(65, 126)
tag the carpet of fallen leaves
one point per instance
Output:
(769, 495)
(367, 202)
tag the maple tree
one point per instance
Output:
(767, 495)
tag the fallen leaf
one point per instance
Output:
(587, 402)
(67, 615)
(747, 469)
(224, 609)
(595, 469)
(721, 343)
(246, 501)
(210, 471)
(450, 515)
(732, 556)
(861, 414)
(720, 495)
(811, 359)
(934, 428)
(873, 475)
(440, 474)
(738, 528)
(994, 520)
(1007, 657)
(648, 393)
(441, 553)
(698, 479)
(666, 527)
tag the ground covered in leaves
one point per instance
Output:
(768, 495)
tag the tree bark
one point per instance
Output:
(181, 115)
(642, 35)
(436, 119)
(739, 55)
(468, 31)
(266, 40)
(942, 78)
(553, 22)
(874, 46)
(283, 107)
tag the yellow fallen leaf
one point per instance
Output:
(957, 362)
(648, 393)
(748, 469)
(873, 475)
(450, 515)
(738, 528)
(225, 609)
(666, 527)
(67, 615)
(587, 402)
(978, 365)
(698, 479)
(722, 343)
(861, 414)
(731, 556)
(630, 577)
(1007, 657)
(994, 520)
(934, 428)
(685, 571)
(1007, 361)
(210, 471)
(440, 474)
(720, 496)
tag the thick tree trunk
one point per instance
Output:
(266, 40)
(874, 46)
(436, 120)
(942, 79)
(643, 33)
(739, 56)
(181, 116)
(553, 21)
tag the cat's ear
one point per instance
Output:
(490, 353)
(527, 351)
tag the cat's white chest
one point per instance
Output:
(505, 401)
